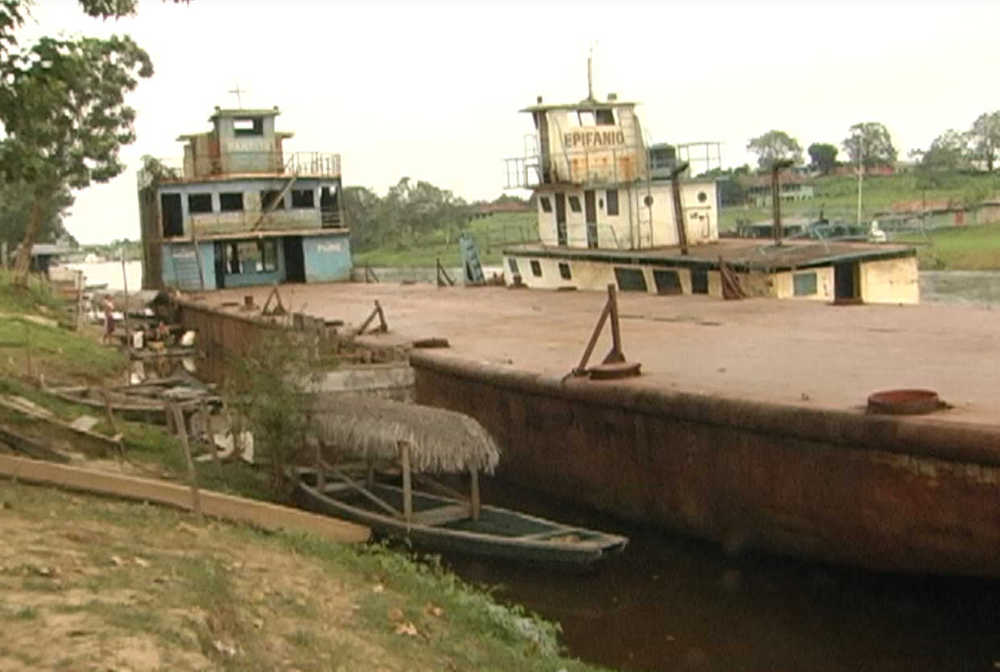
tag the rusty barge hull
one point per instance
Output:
(883, 493)
(747, 426)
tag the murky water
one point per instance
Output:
(670, 603)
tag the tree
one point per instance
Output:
(63, 111)
(984, 138)
(823, 157)
(774, 146)
(15, 210)
(950, 151)
(870, 145)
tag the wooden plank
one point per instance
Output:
(442, 515)
(216, 504)
(404, 459)
(474, 493)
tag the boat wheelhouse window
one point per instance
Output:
(268, 255)
(699, 281)
(586, 117)
(605, 117)
(302, 198)
(231, 201)
(630, 279)
(244, 126)
(269, 200)
(574, 203)
(536, 268)
(199, 203)
(804, 284)
(667, 282)
(512, 264)
(545, 203)
(564, 272)
(612, 198)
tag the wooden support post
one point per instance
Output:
(27, 349)
(616, 354)
(128, 331)
(404, 459)
(178, 416)
(197, 255)
(675, 186)
(370, 476)
(320, 471)
(474, 493)
(581, 368)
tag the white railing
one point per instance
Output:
(301, 164)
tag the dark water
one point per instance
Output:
(670, 603)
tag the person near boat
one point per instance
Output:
(108, 306)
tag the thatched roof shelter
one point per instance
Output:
(439, 440)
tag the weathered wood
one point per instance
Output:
(30, 446)
(88, 442)
(181, 426)
(404, 460)
(474, 503)
(441, 515)
(388, 508)
(216, 504)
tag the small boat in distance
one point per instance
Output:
(420, 439)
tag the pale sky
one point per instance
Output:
(430, 90)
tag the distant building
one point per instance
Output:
(794, 187)
(241, 211)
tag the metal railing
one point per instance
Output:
(301, 164)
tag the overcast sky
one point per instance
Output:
(431, 90)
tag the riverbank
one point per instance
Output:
(131, 586)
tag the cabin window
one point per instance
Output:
(244, 126)
(605, 117)
(586, 117)
(564, 272)
(699, 281)
(545, 203)
(269, 200)
(667, 282)
(630, 279)
(199, 203)
(252, 256)
(702, 197)
(512, 263)
(612, 198)
(804, 284)
(231, 201)
(302, 198)
(268, 255)
(574, 203)
(536, 268)
(173, 217)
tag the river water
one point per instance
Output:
(674, 604)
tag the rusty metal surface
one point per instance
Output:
(837, 487)
(904, 402)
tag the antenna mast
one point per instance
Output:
(590, 74)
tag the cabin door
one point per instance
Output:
(172, 215)
(845, 282)
(590, 211)
(295, 262)
(220, 265)
(561, 219)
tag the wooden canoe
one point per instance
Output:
(444, 524)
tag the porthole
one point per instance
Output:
(702, 197)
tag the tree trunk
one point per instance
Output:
(23, 263)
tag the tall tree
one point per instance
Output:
(870, 145)
(16, 202)
(823, 157)
(63, 111)
(985, 139)
(774, 146)
(950, 151)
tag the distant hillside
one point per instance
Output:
(836, 197)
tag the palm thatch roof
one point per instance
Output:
(439, 440)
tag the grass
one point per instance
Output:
(490, 233)
(837, 197)
(143, 578)
(972, 248)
